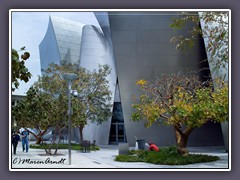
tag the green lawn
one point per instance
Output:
(166, 156)
(63, 146)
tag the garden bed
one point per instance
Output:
(166, 156)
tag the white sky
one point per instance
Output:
(29, 28)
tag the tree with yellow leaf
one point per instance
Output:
(182, 101)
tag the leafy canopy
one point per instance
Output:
(180, 99)
(19, 70)
(214, 28)
(93, 100)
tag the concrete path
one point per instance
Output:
(103, 159)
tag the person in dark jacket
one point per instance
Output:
(15, 140)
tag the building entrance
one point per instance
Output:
(117, 131)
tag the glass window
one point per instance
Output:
(117, 112)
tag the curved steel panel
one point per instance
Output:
(48, 48)
(95, 50)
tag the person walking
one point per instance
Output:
(15, 140)
(24, 135)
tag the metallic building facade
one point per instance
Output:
(136, 45)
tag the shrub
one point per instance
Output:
(166, 156)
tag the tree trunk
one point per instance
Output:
(39, 140)
(81, 132)
(39, 135)
(182, 139)
(182, 144)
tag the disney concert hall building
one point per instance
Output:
(136, 45)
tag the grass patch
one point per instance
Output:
(126, 158)
(63, 146)
(166, 156)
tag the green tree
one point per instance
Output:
(40, 111)
(93, 102)
(45, 105)
(211, 25)
(34, 111)
(19, 70)
(181, 101)
(19, 114)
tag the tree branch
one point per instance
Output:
(188, 130)
(163, 116)
(178, 129)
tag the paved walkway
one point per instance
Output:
(104, 159)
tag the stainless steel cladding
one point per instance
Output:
(136, 45)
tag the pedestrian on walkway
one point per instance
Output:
(15, 140)
(24, 135)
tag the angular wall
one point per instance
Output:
(95, 50)
(136, 45)
(223, 73)
(142, 49)
(86, 46)
(48, 48)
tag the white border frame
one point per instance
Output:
(115, 10)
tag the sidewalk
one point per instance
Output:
(104, 158)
